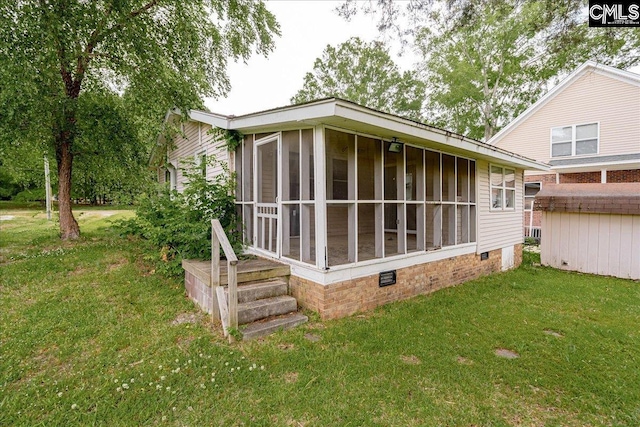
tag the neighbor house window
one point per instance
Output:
(575, 140)
(503, 188)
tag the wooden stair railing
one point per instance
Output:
(228, 309)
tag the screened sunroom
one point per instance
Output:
(355, 200)
(330, 197)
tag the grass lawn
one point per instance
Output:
(89, 334)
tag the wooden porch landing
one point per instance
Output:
(249, 270)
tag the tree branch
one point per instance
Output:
(97, 35)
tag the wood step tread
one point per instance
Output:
(254, 310)
(261, 290)
(262, 328)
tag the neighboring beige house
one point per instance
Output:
(342, 194)
(587, 129)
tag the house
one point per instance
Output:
(365, 207)
(587, 128)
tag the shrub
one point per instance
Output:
(32, 195)
(178, 225)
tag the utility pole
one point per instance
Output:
(47, 187)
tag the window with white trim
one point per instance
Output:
(574, 140)
(201, 162)
(170, 177)
(503, 188)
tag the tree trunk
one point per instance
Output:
(69, 229)
(488, 131)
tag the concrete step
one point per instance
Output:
(254, 310)
(260, 329)
(261, 290)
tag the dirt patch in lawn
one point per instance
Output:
(117, 265)
(286, 346)
(312, 337)
(464, 361)
(291, 377)
(186, 318)
(506, 353)
(410, 360)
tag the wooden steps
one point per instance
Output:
(264, 305)
(260, 329)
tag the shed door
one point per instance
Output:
(267, 231)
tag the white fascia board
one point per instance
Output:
(295, 113)
(212, 119)
(594, 167)
(419, 131)
(618, 74)
(588, 66)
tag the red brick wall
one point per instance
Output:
(544, 179)
(580, 178)
(537, 219)
(346, 298)
(631, 175)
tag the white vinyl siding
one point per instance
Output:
(592, 98)
(497, 228)
(197, 140)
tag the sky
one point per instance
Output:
(307, 27)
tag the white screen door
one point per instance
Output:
(267, 196)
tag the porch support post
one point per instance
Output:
(378, 177)
(285, 183)
(320, 197)
(401, 225)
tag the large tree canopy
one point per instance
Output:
(61, 57)
(485, 61)
(363, 73)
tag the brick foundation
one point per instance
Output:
(346, 298)
(517, 256)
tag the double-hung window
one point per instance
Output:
(574, 140)
(503, 188)
(201, 162)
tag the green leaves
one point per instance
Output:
(363, 73)
(178, 225)
(61, 59)
(485, 61)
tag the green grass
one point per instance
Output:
(80, 320)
